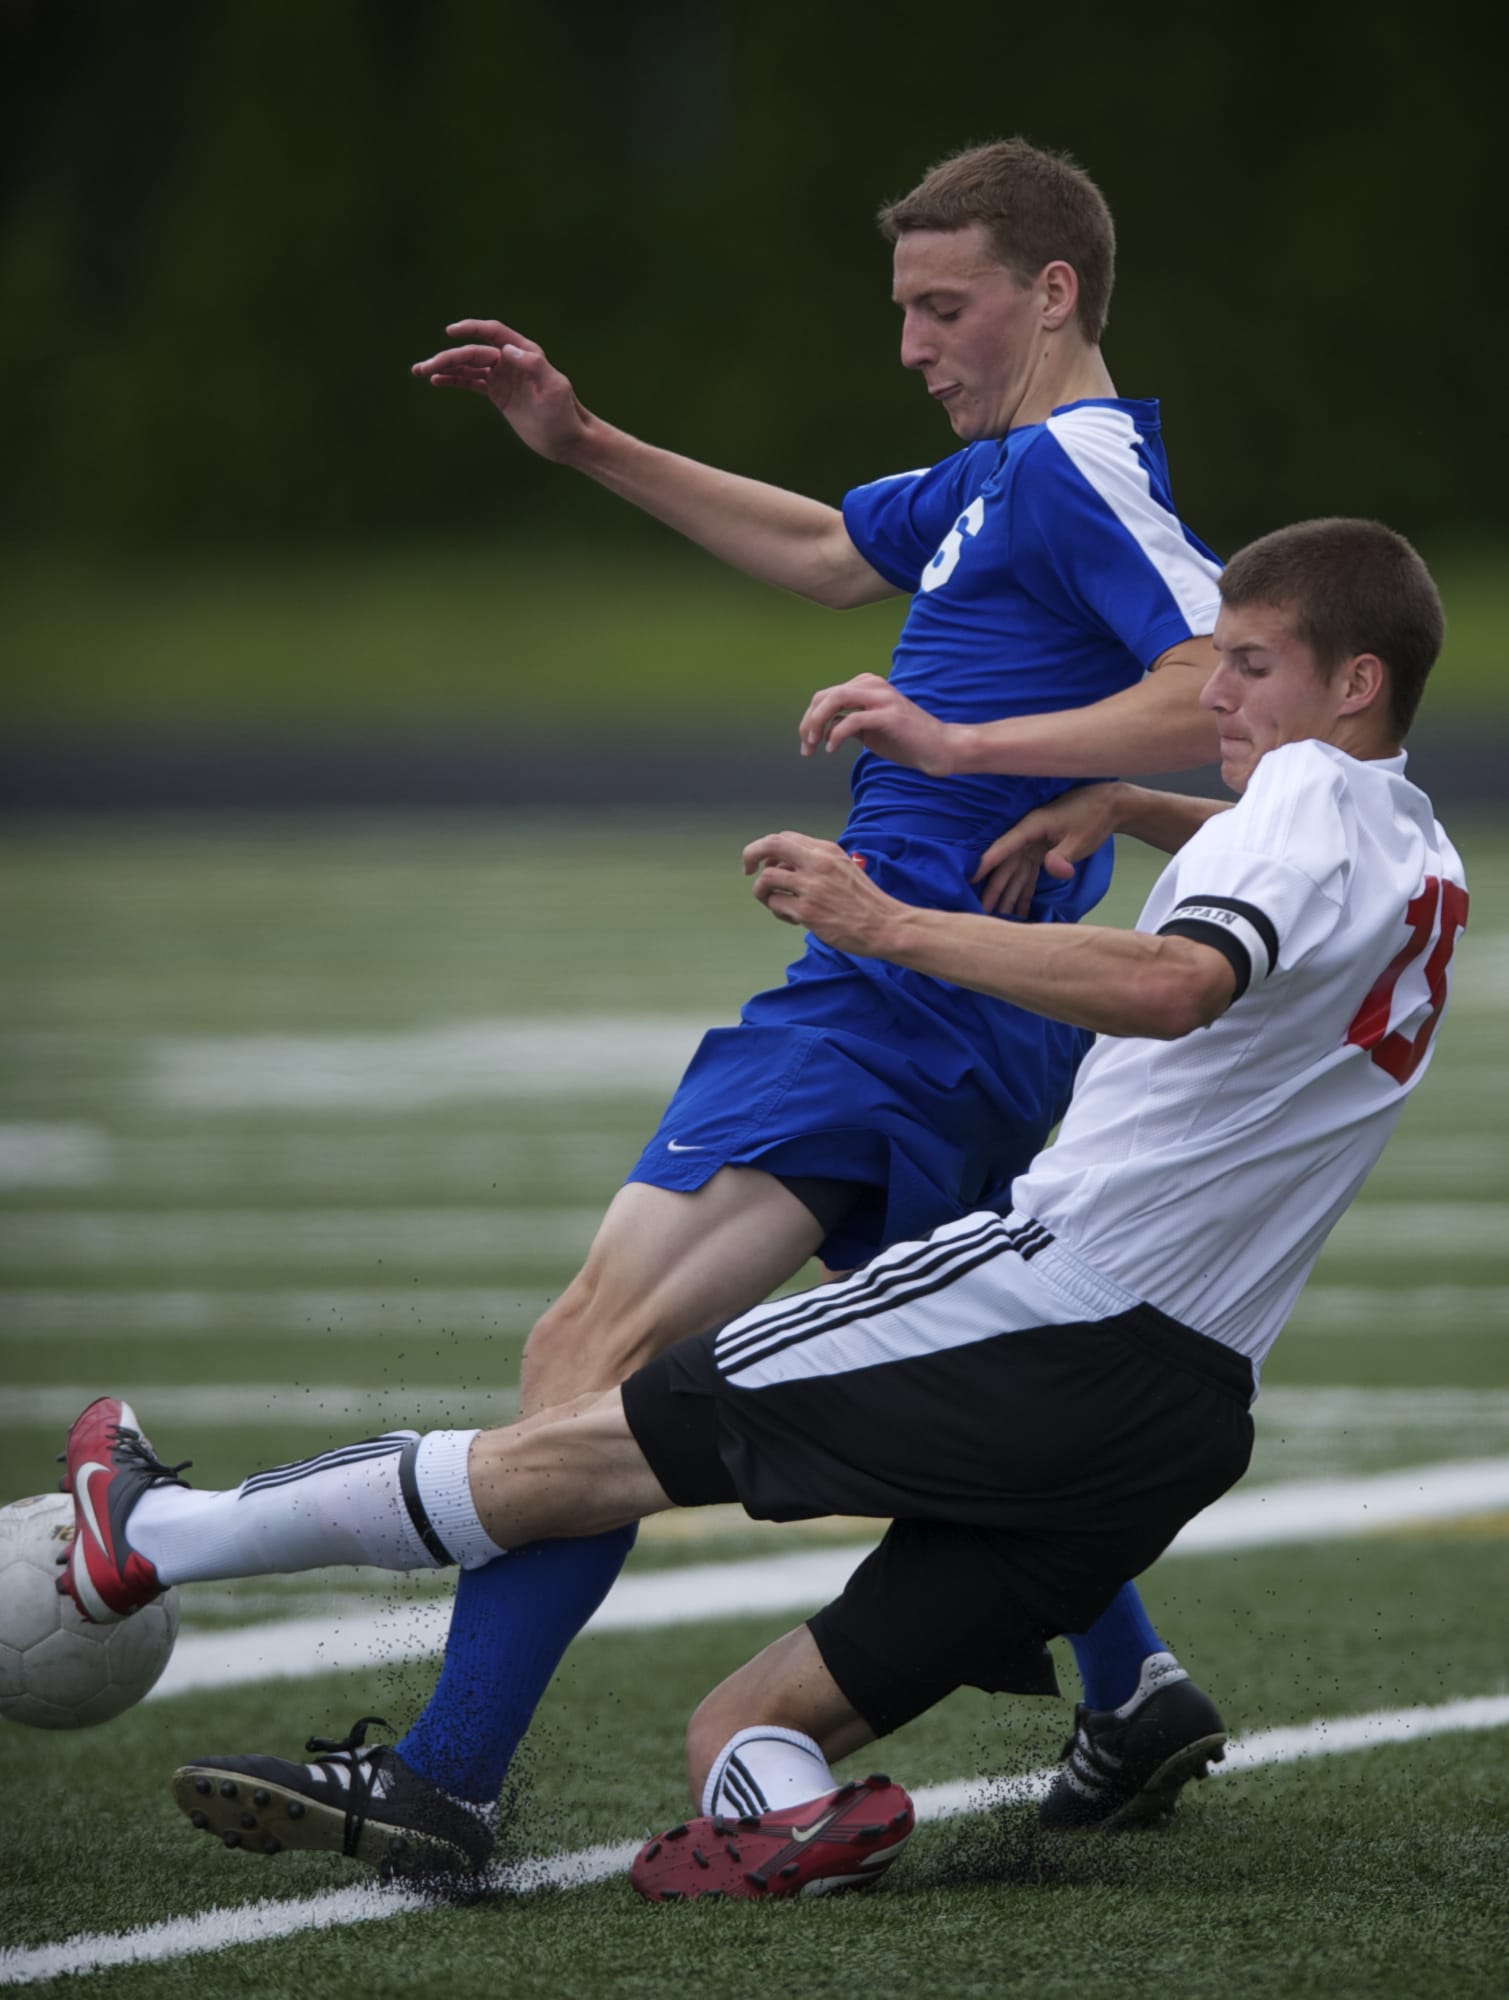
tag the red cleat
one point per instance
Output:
(109, 1467)
(840, 1841)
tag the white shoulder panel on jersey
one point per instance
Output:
(1265, 883)
(1101, 443)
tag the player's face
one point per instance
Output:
(1266, 689)
(968, 328)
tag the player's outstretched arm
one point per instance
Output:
(780, 537)
(1157, 725)
(1052, 838)
(1112, 981)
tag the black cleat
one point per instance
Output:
(1126, 1767)
(357, 1800)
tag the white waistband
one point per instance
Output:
(1069, 1275)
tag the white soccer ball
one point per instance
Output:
(57, 1670)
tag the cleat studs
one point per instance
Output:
(652, 1850)
(675, 1833)
(869, 1832)
(259, 1797)
(844, 1790)
(249, 1821)
(203, 1786)
(712, 1896)
(877, 1782)
(670, 1895)
(700, 1858)
(231, 1839)
(198, 1819)
(271, 1846)
(750, 1822)
(734, 1854)
(227, 1788)
(791, 1868)
(900, 1819)
(295, 1808)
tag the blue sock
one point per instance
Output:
(512, 1621)
(1110, 1655)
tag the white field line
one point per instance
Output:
(210, 1404)
(410, 1238)
(1303, 1510)
(38, 1155)
(262, 1922)
(579, 1057)
(1385, 1231)
(1344, 1407)
(1483, 975)
(415, 1310)
(1415, 1310)
(359, 1313)
(401, 1239)
(397, 1159)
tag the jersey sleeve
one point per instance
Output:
(1119, 552)
(1264, 884)
(896, 523)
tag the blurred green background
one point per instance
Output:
(227, 228)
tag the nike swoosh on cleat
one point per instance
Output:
(86, 1501)
(801, 1835)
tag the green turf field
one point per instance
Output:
(298, 1128)
(652, 638)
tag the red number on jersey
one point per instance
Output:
(1395, 1053)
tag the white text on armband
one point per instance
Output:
(1240, 931)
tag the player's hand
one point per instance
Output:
(517, 378)
(869, 708)
(815, 883)
(1048, 840)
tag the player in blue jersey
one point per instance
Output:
(1055, 594)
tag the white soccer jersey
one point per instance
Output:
(1204, 1174)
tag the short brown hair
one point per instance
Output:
(1351, 587)
(1039, 208)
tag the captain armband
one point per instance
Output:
(1240, 931)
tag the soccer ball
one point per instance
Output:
(57, 1670)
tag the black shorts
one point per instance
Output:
(1034, 1437)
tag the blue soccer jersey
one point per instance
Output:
(1049, 571)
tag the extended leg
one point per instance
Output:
(663, 1266)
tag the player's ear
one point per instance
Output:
(1364, 683)
(1059, 284)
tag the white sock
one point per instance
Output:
(765, 1767)
(344, 1506)
(444, 1487)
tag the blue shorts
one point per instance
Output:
(930, 1097)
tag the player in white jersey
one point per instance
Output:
(1037, 1402)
